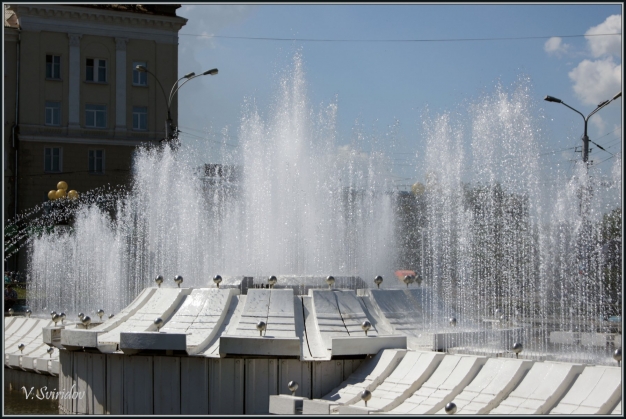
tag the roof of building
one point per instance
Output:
(152, 9)
(10, 19)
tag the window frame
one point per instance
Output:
(141, 76)
(95, 70)
(136, 111)
(51, 75)
(58, 109)
(49, 168)
(95, 116)
(92, 157)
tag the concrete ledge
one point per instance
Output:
(366, 345)
(316, 407)
(75, 339)
(52, 335)
(355, 410)
(133, 342)
(286, 405)
(14, 361)
(262, 345)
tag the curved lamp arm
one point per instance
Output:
(142, 69)
(189, 76)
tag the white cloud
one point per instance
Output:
(595, 81)
(598, 122)
(606, 45)
(555, 45)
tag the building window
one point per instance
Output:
(53, 67)
(52, 159)
(139, 78)
(53, 113)
(96, 70)
(140, 118)
(96, 116)
(96, 161)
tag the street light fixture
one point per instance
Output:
(586, 119)
(169, 126)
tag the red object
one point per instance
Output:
(402, 273)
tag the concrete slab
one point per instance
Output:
(494, 382)
(414, 369)
(135, 342)
(200, 316)
(452, 375)
(162, 304)
(367, 377)
(316, 407)
(285, 405)
(595, 391)
(262, 346)
(541, 388)
(365, 345)
(328, 320)
(315, 344)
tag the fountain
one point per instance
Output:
(490, 234)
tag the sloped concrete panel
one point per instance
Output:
(412, 371)
(495, 381)
(595, 392)
(451, 376)
(541, 388)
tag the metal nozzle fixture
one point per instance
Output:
(86, 321)
(365, 396)
(159, 280)
(617, 355)
(378, 280)
(452, 321)
(330, 280)
(517, 348)
(50, 350)
(28, 312)
(366, 325)
(11, 312)
(260, 326)
(272, 280)
(292, 386)
(450, 408)
(158, 322)
(217, 279)
(100, 314)
(178, 280)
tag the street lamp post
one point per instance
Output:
(584, 253)
(169, 126)
(586, 119)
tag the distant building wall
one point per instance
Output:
(81, 108)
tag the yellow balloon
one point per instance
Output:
(72, 194)
(52, 195)
(418, 188)
(62, 185)
(60, 193)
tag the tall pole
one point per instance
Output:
(585, 152)
(169, 123)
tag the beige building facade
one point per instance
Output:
(75, 107)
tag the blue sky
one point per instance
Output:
(378, 83)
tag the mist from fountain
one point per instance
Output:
(295, 206)
(499, 247)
